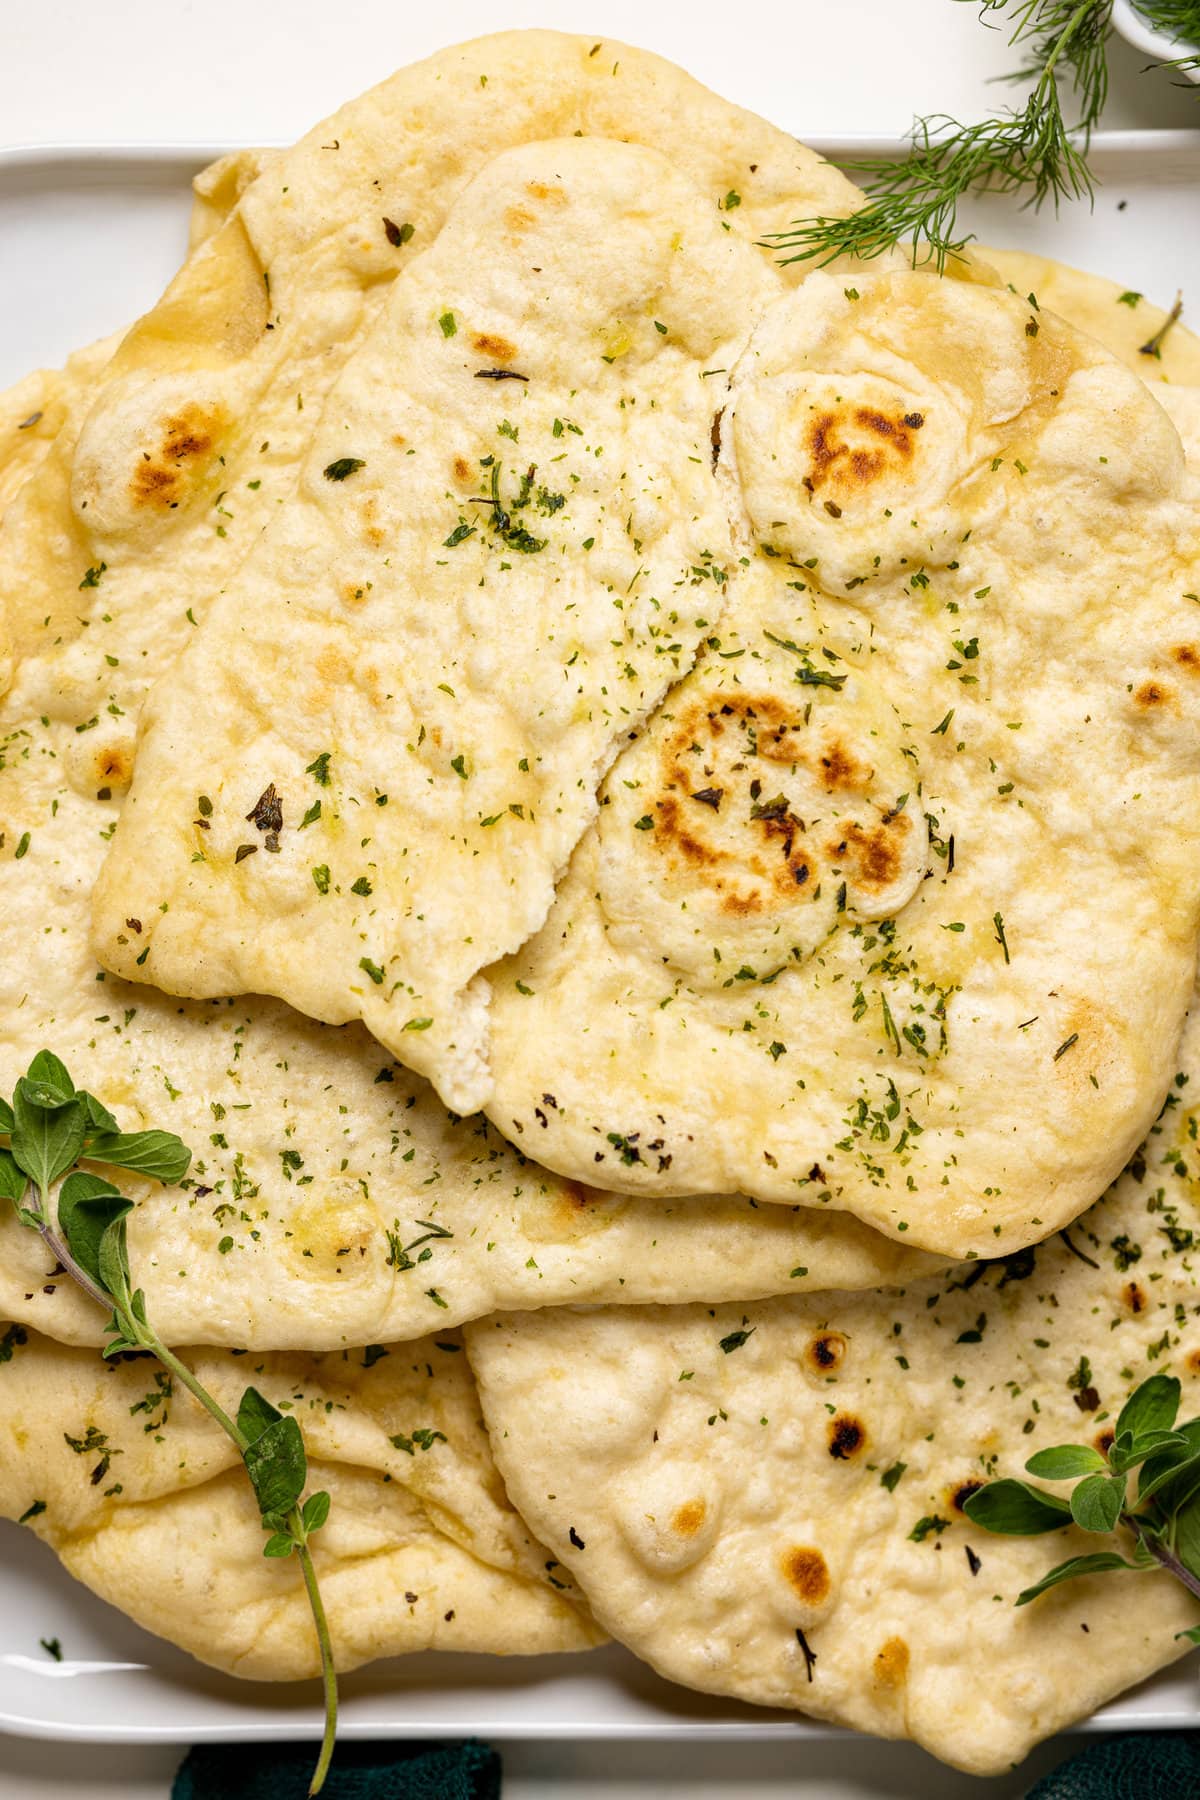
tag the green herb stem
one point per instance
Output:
(62, 1256)
(328, 1671)
(294, 1520)
(295, 1526)
(183, 1374)
(1158, 1550)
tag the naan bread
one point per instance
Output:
(34, 410)
(721, 1479)
(217, 189)
(45, 410)
(862, 923)
(202, 421)
(144, 1499)
(312, 1147)
(312, 1263)
(1119, 318)
(1182, 406)
(410, 690)
(558, 335)
(317, 1159)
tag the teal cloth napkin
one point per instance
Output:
(466, 1771)
(1162, 1765)
(1139, 1766)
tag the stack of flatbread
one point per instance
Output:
(576, 765)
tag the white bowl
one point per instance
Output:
(1136, 30)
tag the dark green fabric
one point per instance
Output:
(1163, 1765)
(468, 1771)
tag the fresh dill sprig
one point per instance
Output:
(1179, 19)
(916, 200)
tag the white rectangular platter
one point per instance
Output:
(88, 237)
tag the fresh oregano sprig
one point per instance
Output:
(51, 1125)
(1159, 1519)
(914, 200)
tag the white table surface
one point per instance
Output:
(264, 70)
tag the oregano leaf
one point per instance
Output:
(1150, 1441)
(13, 1181)
(279, 1545)
(125, 1339)
(87, 1206)
(1143, 1555)
(1176, 1487)
(255, 1413)
(1096, 1502)
(1065, 1462)
(6, 1116)
(47, 1082)
(1187, 1535)
(1014, 1509)
(315, 1511)
(1099, 1563)
(114, 1264)
(156, 1153)
(277, 1466)
(1171, 1475)
(1150, 1407)
(1128, 1451)
(99, 1117)
(46, 1139)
